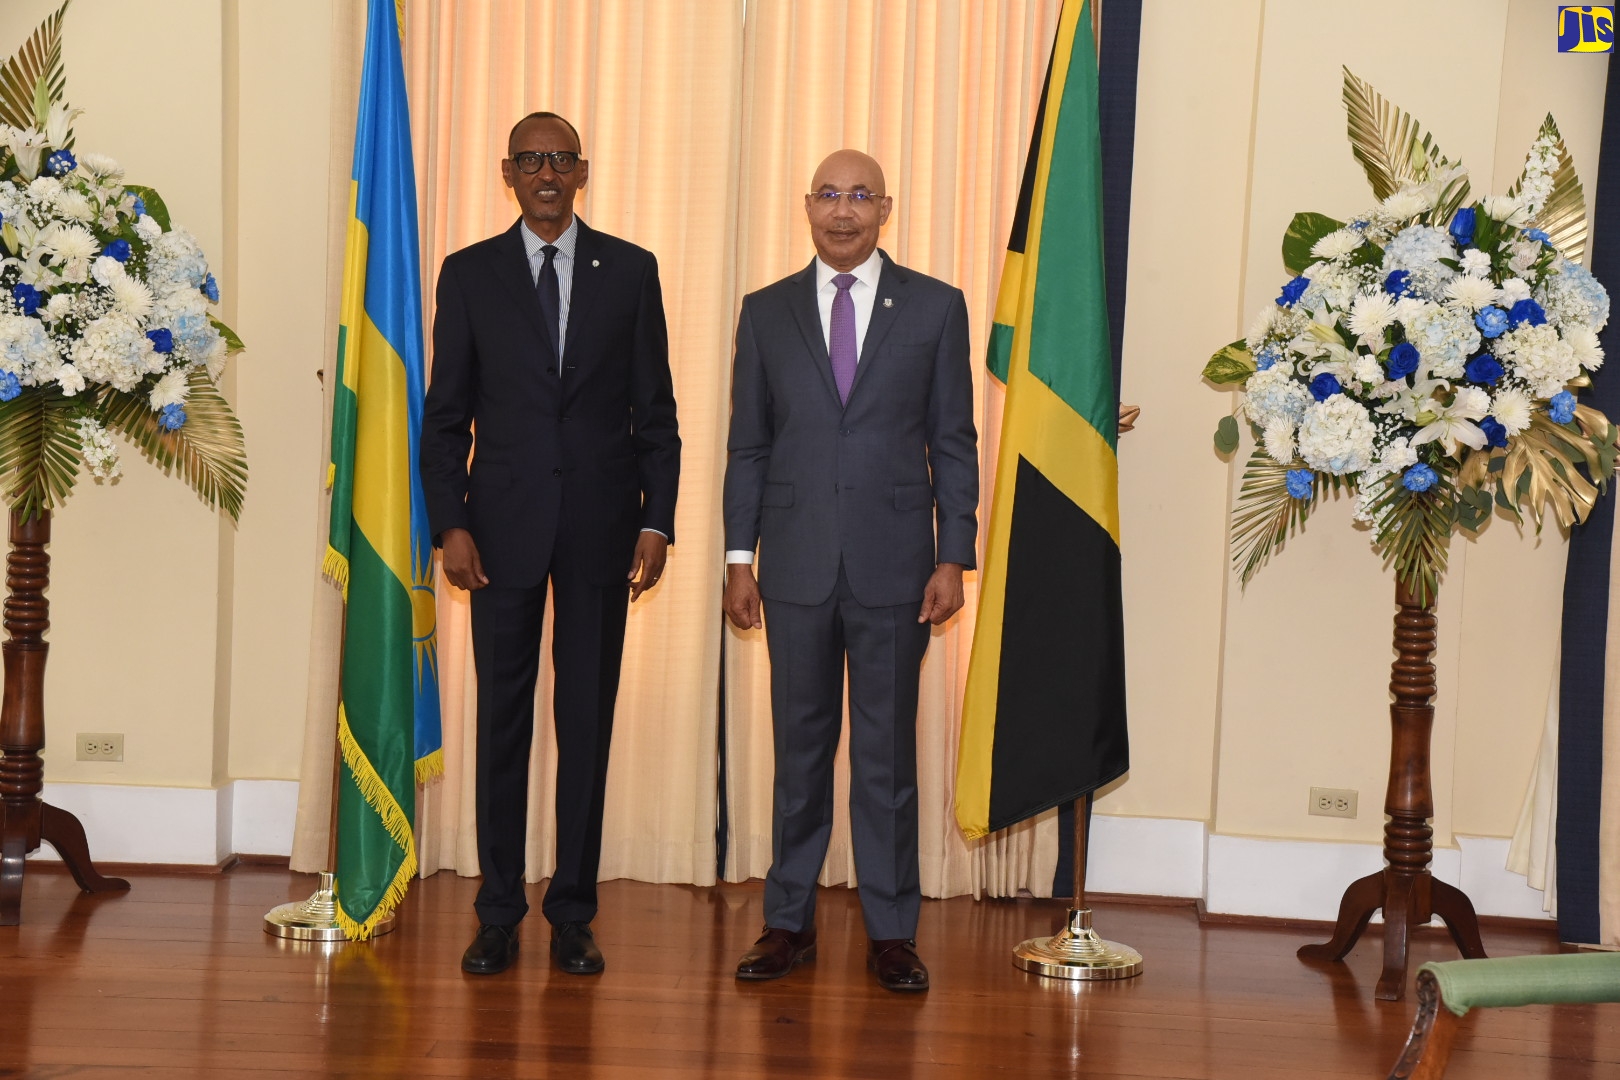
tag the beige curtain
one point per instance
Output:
(702, 128)
(943, 94)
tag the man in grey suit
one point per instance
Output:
(852, 464)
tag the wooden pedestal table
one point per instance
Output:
(1405, 889)
(26, 819)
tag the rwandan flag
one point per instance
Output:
(1044, 715)
(379, 549)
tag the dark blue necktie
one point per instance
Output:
(545, 287)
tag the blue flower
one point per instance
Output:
(1301, 482)
(118, 249)
(1526, 311)
(1419, 478)
(26, 297)
(1495, 433)
(1360, 224)
(1561, 407)
(1492, 321)
(210, 289)
(9, 386)
(1398, 283)
(1537, 234)
(1403, 360)
(172, 418)
(1325, 386)
(1484, 368)
(1462, 226)
(139, 207)
(1293, 291)
(61, 163)
(162, 340)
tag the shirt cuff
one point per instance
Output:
(745, 557)
(660, 532)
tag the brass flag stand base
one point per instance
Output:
(314, 919)
(1077, 952)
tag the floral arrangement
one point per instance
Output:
(104, 319)
(1425, 356)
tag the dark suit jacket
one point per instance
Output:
(888, 484)
(596, 445)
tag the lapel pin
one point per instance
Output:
(596, 262)
(887, 302)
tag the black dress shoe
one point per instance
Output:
(574, 946)
(492, 951)
(896, 965)
(776, 952)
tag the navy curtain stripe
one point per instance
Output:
(1586, 600)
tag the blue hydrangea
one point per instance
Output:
(1572, 295)
(1526, 311)
(1561, 407)
(1484, 369)
(162, 340)
(210, 289)
(1293, 291)
(172, 418)
(10, 387)
(1325, 386)
(118, 249)
(61, 163)
(1462, 227)
(1492, 321)
(1424, 251)
(1301, 482)
(26, 297)
(1419, 478)
(1403, 360)
(1495, 433)
(1398, 283)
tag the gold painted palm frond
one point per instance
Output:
(208, 452)
(1391, 147)
(1413, 529)
(39, 448)
(1563, 218)
(1542, 468)
(39, 58)
(1266, 515)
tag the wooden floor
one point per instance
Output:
(176, 979)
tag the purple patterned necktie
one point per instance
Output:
(841, 337)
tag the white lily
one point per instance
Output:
(59, 124)
(1454, 423)
(26, 145)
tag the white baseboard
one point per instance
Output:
(1145, 856)
(180, 826)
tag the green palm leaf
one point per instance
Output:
(1392, 148)
(39, 58)
(39, 448)
(1563, 218)
(208, 452)
(1413, 530)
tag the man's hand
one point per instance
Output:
(943, 596)
(1127, 416)
(647, 564)
(741, 600)
(462, 566)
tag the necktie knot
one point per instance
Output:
(550, 250)
(843, 281)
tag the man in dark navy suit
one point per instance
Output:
(548, 342)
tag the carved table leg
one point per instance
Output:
(1361, 900)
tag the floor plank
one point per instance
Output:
(176, 979)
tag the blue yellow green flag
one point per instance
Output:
(1043, 716)
(379, 548)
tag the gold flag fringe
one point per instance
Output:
(430, 767)
(380, 799)
(335, 568)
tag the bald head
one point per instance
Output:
(847, 205)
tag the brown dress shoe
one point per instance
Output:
(896, 964)
(775, 953)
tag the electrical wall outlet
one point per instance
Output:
(1333, 802)
(98, 746)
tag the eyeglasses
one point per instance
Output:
(530, 161)
(829, 199)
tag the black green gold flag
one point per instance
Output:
(1044, 714)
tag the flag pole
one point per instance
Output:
(1077, 952)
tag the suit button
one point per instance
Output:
(556, 472)
(844, 432)
(564, 419)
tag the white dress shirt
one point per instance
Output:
(864, 294)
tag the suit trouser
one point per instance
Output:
(884, 647)
(587, 647)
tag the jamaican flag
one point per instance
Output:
(1044, 715)
(379, 549)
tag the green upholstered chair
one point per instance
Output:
(1447, 991)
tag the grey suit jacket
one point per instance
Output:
(889, 484)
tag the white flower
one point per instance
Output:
(147, 229)
(1336, 243)
(1509, 211)
(24, 347)
(1273, 397)
(1367, 369)
(59, 123)
(69, 378)
(73, 247)
(1453, 423)
(131, 296)
(106, 269)
(1398, 456)
(1444, 337)
(114, 350)
(1512, 410)
(100, 453)
(76, 206)
(1279, 442)
(101, 166)
(1476, 263)
(1539, 357)
(1405, 204)
(1513, 290)
(26, 145)
(1524, 255)
(1470, 293)
(171, 389)
(1371, 313)
(1261, 327)
(1583, 343)
(1336, 436)
(57, 306)
(1571, 295)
